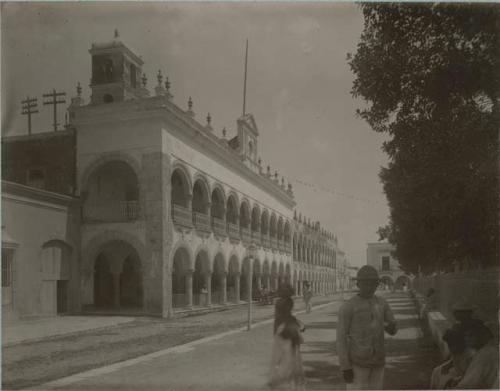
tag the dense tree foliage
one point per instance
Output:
(430, 76)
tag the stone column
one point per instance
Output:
(116, 263)
(116, 290)
(208, 284)
(237, 287)
(189, 288)
(223, 282)
(189, 201)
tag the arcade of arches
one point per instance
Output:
(118, 277)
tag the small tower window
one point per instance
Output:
(107, 98)
(386, 265)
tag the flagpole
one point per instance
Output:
(245, 82)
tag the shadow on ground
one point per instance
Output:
(409, 361)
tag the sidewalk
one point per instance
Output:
(38, 329)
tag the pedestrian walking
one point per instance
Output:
(360, 334)
(307, 295)
(286, 370)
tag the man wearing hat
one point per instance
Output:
(360, 334)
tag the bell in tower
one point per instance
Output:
(116, 71)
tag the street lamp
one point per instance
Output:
(251, 257)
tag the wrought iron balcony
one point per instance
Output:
(233, 230)
(281, 245)
(274, 243)
(111, 211)
(245, 235)
(256, 237)
(182, 216)
(219, 226)
(202, 222)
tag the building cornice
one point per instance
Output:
(38, 136)
(38, 195)
(184, 125)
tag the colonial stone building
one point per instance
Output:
(173, 216)
(379, 255)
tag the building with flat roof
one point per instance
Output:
(171, 216)
(379, 255)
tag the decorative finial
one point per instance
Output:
(224, 131)
(78, 89)
(295, 214)
(144, 80)
(268, 170)
(117, 35)
(159, 77)
(167, 85)
(289, 187)
(276, 174)
(282, 182)
(260, 162)
(209, 119)
(300, 217)
(190, 104)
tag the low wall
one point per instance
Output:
(479, 287)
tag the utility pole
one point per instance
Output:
(54, 95)
(29, 104)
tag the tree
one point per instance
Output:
(429, 74)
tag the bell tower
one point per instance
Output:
(116, 72)
(247, 140)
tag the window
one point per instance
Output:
(386, 263)
(6, 267)
(107, 98)
(36, 178)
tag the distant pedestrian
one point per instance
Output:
(286, 363)
(360, 334)
(429, 303)
(307, 295)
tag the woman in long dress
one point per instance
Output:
(286, 363)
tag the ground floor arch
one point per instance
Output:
(181, 278)
(118, 277)
(402, 283)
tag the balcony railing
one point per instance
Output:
(219, 226)
(233, 231)
(112, 211)
(202, 222)
(256, 237)
(245, 235)
(274, 243)
(182, 215)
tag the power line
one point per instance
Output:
(323, 189)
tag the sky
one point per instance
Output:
(298, 87)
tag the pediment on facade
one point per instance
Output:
(248, 121)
